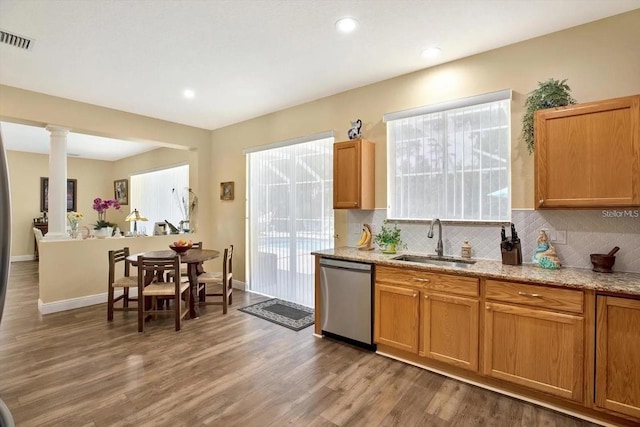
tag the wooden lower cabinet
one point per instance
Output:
(618, 355)
(449, 330)
(397, 310)
(535, 348)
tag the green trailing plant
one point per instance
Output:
(549, 94)
(389, 236)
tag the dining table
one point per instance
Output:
(194, 259)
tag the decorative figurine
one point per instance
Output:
(356, 130)
(545, 254)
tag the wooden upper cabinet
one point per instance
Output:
(353, 174)
(618, 355)
(588, 155)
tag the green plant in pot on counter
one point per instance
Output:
(389, 238)
(549, 94)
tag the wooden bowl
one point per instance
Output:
(180, 249)
(602, 263)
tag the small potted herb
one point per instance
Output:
(388, 239)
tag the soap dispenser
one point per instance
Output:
(465, 250)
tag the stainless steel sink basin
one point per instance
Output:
(436, 260)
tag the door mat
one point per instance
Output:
(288, 314)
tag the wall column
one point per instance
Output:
(57, 193)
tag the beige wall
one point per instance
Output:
(25, 170)
(20, 106)
(145, 162)
(94, 179)
(600, 60)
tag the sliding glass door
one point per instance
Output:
(290, 214)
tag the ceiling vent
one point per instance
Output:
(15, 40)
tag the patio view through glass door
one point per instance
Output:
(290, 214)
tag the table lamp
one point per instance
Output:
(135, 217)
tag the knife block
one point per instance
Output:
(511, 256)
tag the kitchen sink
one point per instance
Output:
(436, 260)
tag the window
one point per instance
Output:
(151, 194)
(451, 161)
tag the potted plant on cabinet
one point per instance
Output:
(388, 239)
(549, 94)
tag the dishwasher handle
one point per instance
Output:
(345, 265)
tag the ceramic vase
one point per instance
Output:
(103, 233)
(389, 248)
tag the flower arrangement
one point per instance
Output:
(101, 206)
(389, 238)
(188, 204)
(74, 219)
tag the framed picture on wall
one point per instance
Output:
(121, 191)
(226, 190)
(72, 194)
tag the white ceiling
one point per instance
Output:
(246, 58)
(33, 139)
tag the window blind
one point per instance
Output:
(151, 194)
(451, 164)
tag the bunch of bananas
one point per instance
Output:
(364, 243)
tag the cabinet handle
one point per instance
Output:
(527, 294)
(355, 203)
(420, 279)
(426, 297)
(488, 307)
(541, 201)
(415, 295)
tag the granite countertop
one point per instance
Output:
(579, 278)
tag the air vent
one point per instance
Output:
(15, 40)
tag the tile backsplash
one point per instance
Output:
(587, 232)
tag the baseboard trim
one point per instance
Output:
(20, 258)
(501, 391)
(73, 303)
(70, 304)
(237, 284)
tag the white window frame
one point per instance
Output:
(445, 109)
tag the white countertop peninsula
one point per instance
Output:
(74, 273)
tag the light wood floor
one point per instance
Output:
(75, 369)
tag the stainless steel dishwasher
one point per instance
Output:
(347, 301)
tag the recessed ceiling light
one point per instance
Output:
(346, 24)
(188, 93)
(431, 52)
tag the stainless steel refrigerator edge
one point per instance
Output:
(6, 420)
(346, 300)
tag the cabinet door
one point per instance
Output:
(353, 174)
(450, 330)
(588, 155)
(535, 348)
(618, 355)
(396, 317)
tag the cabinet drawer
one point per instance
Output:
(533, 295)
(447, 283)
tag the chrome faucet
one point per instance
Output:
(439, 248)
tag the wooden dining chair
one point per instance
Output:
(38, 235)
(183, 268)
(149, 270)
(218, 284)
(123, 282)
